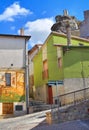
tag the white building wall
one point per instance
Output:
(0, 108)
(75, 84)
(19, 112)
(12, 52)
(12, 43)
(12, 58)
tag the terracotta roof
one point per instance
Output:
(34, 48)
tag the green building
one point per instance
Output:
(60, 67)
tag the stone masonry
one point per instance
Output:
(72, 112)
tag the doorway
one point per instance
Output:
(50, 95)
(7, 108)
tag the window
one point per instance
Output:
(45, 69)
(8, 79)
(18, 107)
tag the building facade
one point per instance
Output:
(13, 74)
(60, 67)
(84, 26)
(31, 53)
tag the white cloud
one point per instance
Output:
(39, 30)
(13, 10)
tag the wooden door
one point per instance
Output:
(50, 95)
(7, 108)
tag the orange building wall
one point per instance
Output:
(15, 92)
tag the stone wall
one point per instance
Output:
(72, 112)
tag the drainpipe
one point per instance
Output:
(26, 72)
(27, 78)
(68, 34)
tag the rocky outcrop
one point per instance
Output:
(62, 22)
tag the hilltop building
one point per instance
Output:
(84, 26)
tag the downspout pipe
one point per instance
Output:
(68, 34)
(27, 77)
(26, 71)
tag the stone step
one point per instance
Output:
(36, 106)
(34, 103)
(41, 107)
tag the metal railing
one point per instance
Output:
(71, 97)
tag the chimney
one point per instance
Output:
(65, 12)
(21, 31)
(68, 33)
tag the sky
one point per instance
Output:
(36, 16)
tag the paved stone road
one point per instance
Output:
(36, 121)
(72, 125)
(26, 122)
